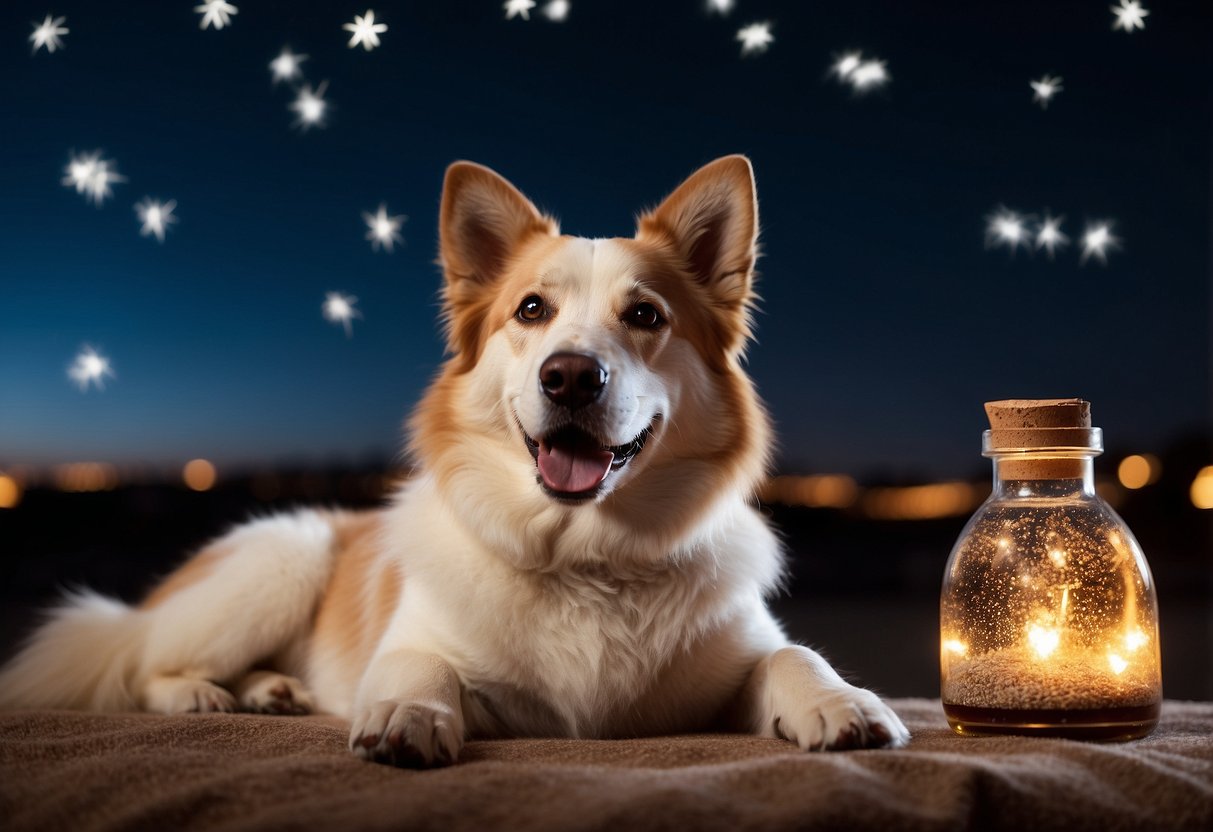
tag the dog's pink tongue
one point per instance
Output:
(573, 467)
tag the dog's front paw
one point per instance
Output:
(266, 692)
(407, 734)
(184, 694)
(840, 718)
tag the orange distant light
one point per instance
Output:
(1202, 488)
(923, 502)
(831, 491)
(86, 476)
(818, 491)
(1138, 470)
(198, 474)
(10, 492)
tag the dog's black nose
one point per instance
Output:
(571, 379)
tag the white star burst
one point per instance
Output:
(383, 230)
(755, 38)
(862, 75)
(1097, 241)
(1129, 15)
(215, 13)
(81, 170)
(365, 31)
(869, 75)
(1049, 236)
(286, 66)
(309, 106)
(557, 10)
(518, 8)
(721, 7)
(156, 216)
(48, 34)
(90, 367)
(1005, 228)
(340, 309)
(92, 176)
(846, 65)
(1044, 89)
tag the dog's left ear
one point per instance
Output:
(712, 221)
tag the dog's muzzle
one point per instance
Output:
(572, 461)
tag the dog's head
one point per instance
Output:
(596, 372)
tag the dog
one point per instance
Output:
(576, 554)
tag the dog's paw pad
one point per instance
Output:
(407, 734)
(849, 737)
(880, 734)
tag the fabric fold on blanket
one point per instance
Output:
(61, 770)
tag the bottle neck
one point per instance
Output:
(1046, 476)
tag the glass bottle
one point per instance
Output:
(1048, 617)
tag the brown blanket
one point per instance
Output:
(84, 772)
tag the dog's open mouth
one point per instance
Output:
(573, 464)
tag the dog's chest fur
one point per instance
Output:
(573, 651)
(582, 649)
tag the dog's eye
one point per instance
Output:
(532, 309)
(643, 315)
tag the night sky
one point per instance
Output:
(886, 321)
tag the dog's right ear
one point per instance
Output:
(482, 221)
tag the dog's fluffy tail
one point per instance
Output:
(82, 658)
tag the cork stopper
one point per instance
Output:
(1050, 437)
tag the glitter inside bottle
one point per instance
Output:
(1048, 617)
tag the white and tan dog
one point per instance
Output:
(576, 555)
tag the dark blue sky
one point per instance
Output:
(886, 322)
